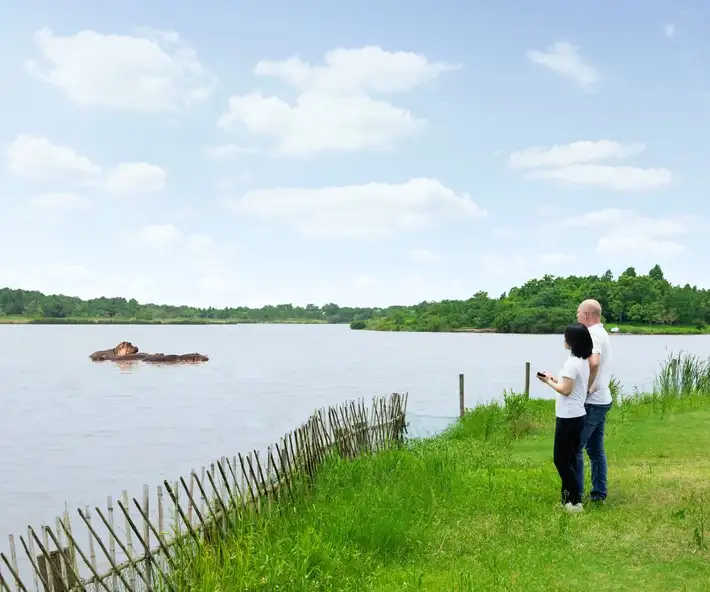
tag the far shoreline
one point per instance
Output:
(623, 329)
(122, 321)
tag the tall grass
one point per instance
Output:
(382, 521)
(683, 374)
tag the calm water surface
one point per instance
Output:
(76, 431)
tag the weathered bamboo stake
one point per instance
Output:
(73, 579)
(261, 475)
(149, 558)
(13, 555)
(146, 534)
(48, 559)
(244, 473)
(92, 552)
(84, 558)
(161, 543)
(278, 480)
(54, 576)
(293, 457)
(189, 501)
(31, 556)
(240, 494)
(203, 493)
(285, 470)
(178, 509)
(233, 514)
(106, 552)
(176, 504)
(3, 584)
(233, 469)
(111, 541)
(222, 484)
(252, 475)
(220, 502)
(115, 569)
(129, 545)
(62, 563)
(15, 574)
(194, 506)
(34, 554)
(72, 550)
(202, 499)
(161, 518)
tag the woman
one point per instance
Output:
(571, 388)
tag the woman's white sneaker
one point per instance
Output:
(574, 508)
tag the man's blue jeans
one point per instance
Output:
(593, 440)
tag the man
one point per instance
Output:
(598, 401)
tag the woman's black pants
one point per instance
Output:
(568, 433)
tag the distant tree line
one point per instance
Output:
(548, 304)
(543, 305)
(60, 308)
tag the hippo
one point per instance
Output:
(193, 358)
(127, 352)
(123, 349)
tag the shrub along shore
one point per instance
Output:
(477, 508)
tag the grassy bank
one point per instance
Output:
(477, 509)
(661, 329)
(17, 320)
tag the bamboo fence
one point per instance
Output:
(133, 549)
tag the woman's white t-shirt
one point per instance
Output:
(572, 405)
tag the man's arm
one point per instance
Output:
(594, 361)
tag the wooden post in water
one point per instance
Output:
(461, 396)
(527, 380)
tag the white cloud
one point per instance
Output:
(669, 30)
(157, 236)
(570, 164)
(154, 72)
(627, 232)
(135, 178)
(564, 59)
(334, 110)
(583, 151)
(610, 177)
(38, 159)
(423, 256)
(60, 201)
(371, 210)
(227, 150)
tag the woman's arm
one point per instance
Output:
(564, 386)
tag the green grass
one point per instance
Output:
(20, 320)
(476, 508)
(660, 329)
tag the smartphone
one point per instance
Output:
(541, 375)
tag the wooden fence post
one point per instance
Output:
(527, 380)
(461, 396)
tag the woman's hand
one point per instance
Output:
(547, 378)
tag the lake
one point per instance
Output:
(76, 431)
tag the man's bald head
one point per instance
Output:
(589, 312)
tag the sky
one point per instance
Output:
(358, 152)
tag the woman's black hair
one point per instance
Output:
(579, 340)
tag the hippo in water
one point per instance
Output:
(127, 352)
(123, 349)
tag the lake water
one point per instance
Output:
(76, 431)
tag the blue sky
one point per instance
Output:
(356, 152)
